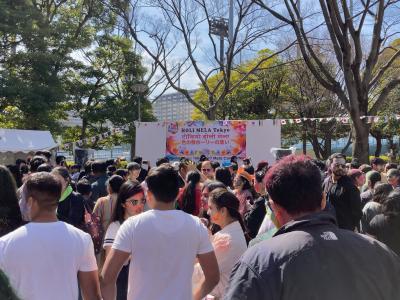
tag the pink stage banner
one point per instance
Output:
(218, 140)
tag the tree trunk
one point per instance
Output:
(304, 140)
(83, 129)
(378, 149)
(316, 147)
(328, 148)
(360, 144)
(392, 150)
(210, 115)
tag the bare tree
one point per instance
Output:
(171, 32)
(364, 89)
(308, 100)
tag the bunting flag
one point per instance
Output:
(343, 120)
(93, 139)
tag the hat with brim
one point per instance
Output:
(244, 174)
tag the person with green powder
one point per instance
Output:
(71, 207)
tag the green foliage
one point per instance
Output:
(103, 89)
(38, 38)
(254, 96)
(388, 127)
(11, 118)
(62, 56)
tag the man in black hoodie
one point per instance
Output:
(309, 257)
(342, 196)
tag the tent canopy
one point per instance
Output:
(15, 140)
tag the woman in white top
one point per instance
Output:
(229, 243)
(130, 202)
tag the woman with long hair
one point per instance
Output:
(105, 206)
(223, 175)
(244, 190)
(385, 227)
(229, 243)
(190, 197)
(10, 213)
(130, 202)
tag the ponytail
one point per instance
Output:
(189, 193)
(223, 198)
(237, 216)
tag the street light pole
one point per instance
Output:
(220, 27)
(231, 22)
(139, 88)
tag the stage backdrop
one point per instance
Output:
(218, 140)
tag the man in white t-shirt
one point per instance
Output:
(163, 244)
(45, 258)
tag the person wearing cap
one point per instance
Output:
(372, 177)
(243, 188)
(133, 171)
(393, 178)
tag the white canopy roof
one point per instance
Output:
(15, 140)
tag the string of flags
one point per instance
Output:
(344, 119)
(119, 130)
(96, 138)
(197, 122)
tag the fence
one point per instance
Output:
(116, 151)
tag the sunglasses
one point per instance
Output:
(136, 202)
(206, 170)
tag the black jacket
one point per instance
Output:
(142, 175)
(72, 210)
(99, 188)
(312, 259)
(344, 196)
(255, 216)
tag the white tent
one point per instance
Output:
(15, 143)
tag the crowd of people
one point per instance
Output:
(297, 229)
